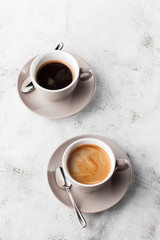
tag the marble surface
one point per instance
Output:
(121, 41)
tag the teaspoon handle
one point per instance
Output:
(59, 46)
(80, 218)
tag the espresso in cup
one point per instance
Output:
(89, 164)
(54, 75)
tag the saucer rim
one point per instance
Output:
(85, 136)
(61, 117)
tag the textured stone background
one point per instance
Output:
(121, 41)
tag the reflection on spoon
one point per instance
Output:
(27, 86)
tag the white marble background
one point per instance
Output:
(121, 41)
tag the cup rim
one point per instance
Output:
(40, 57)
(71, 146)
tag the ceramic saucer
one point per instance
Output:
(71, 105)
(99, 200)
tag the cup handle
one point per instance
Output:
(88, 74)
(122, 164)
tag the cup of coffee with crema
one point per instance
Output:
(89, 163)
(56, 74)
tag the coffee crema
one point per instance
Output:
(88, 164)
(54, 75)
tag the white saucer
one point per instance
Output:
(99, 200)
(71, 105)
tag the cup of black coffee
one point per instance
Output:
(56, 74)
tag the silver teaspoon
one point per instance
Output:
(27, 85)
(63, 183)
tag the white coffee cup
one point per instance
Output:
(116, 164)
(65, 58)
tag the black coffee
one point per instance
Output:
(54, 75)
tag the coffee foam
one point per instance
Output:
(89, 164)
